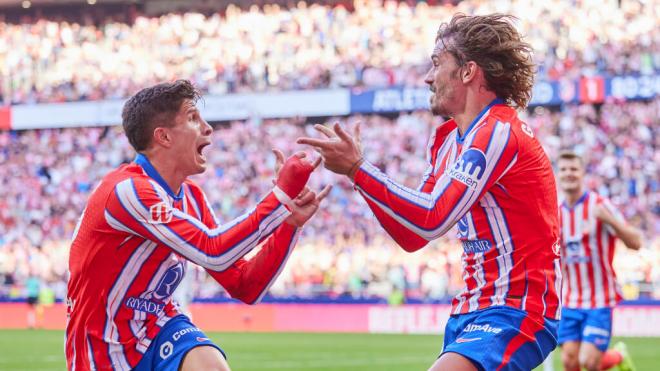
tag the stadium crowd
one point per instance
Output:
(46, 176)
(306, 46)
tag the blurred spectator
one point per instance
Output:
(377, 43)
(47, 175)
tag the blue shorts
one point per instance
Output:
(171, 345)
(586, 325)
(501, 338)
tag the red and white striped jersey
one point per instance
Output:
(126, 261)
(587, 252)
(496, 184)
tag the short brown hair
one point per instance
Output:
(153, 107)
(493, 43)
(570, 155)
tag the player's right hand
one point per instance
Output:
(305, 206)
(293, 174)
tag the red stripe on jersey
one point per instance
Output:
(602, 257)
(551, 298)
(610, 248)
(491, 270)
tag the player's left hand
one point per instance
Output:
(340, 152)
(306, 205)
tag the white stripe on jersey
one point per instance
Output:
(116, 224)
(598, 292)
(210, 209)
(128, 198)
(73, 360)
(90, 355)
(429, 167)
(193, 202)
(611, 284)
(558, 280)
(479, 276)
(461, 295)
(581, 226)
(502, 239)
(115, 297)
(449, 146)
(572, 299)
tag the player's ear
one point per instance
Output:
(469, 71)
(162, 136)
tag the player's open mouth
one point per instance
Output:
(200, 150)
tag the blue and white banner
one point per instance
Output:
(389, 100)
(633, 87)
(329, 102)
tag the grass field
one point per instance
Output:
(43, 350)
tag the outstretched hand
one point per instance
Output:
(292, 174)
(305, 205)
(341, 152)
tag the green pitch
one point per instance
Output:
(43, 350)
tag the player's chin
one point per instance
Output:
(200, 165)
(200, 168)
(436, 110)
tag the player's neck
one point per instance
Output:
(474, 105)
(168, 172)
(573, 197)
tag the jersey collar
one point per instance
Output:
(460, 138)
(143, 161)
(579, 201)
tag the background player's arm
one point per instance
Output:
(628, 234)
(414, 218)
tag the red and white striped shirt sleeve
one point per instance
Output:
(249, 280)
(413, 218)
(139, 206)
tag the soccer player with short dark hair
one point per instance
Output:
(488, 175)
(146, 218)
(590, 226)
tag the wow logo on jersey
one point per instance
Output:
(470, 168)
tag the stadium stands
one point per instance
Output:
(305, 47)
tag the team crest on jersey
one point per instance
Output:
(469, 168)
(556, 248)
(160, 213)
(168, 282)
(462, 227)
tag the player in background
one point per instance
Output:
(590, 226)
(145, 219)
(488, 175)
